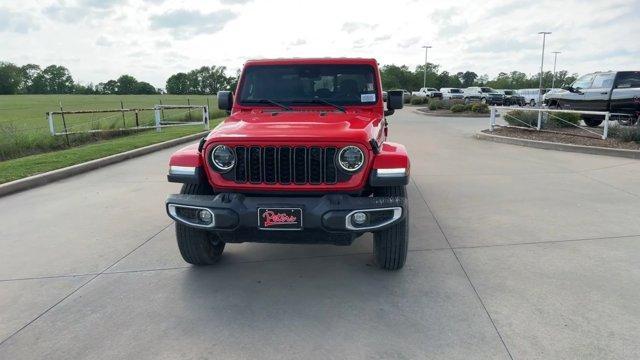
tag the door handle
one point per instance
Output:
(604, 93)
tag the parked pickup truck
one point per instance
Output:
(487, 95)
(427, 93)
(511, 97)
(303, 157)
(615, 91)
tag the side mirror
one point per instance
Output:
(568, 88)
(395, 99)
(225, 100)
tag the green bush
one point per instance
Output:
(625, 133)
(417, 101)
(433, 105)
(438, 104)
(457, 108)
(480, 108)
(468, 107)
(520, 118)
(407, 99)
(555, 119)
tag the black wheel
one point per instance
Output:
(198, 247)
(532, 103)
(592, 122)
(483, 100)
(390, 245)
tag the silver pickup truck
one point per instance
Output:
(615, 91)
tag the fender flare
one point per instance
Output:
(391, 167)
(185, 166)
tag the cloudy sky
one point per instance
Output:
(152, 39)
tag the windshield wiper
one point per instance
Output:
(319, 101)
(269, 101)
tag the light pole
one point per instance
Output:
(555, 59)
(544, 37)
(426, 53)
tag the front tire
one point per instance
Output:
(532, 103)
(198, 247)
(390, 245)
(592, 122)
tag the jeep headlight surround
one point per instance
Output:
(223, 158)
(350, 158)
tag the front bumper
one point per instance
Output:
(326, 219)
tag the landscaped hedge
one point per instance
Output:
(457, 108)
(418, 101)
(480, 108)
(520, 118)
(555, 119)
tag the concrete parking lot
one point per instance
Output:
(515, 253)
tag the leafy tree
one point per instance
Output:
(126, 84)
(178, 84)
(469, 78)
(144, 87)
(29, 72)
(58, 79)
(10, 78)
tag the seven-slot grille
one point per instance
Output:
(286, 165)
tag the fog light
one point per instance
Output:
(205, 216)
(359, 218)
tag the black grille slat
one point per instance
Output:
(241, 164)
(284, 164)
(255, 164)
(315, 165)
(300, 165)
(330, 170)
(270, 169)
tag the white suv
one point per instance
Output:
(452, 94)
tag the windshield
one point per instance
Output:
(455, 91)
(508, 92)
(487, 90)
(303, 84)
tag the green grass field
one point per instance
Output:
(27, 112)
(24, 129)
(35, 164)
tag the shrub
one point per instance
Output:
(625, 133)
(417, 101)
(456, 102)
(433, 105)
(437, 103)
(407, 99)
(520, 118)
(468, 107)
(555, 119)
(480, 108)
(457, 108)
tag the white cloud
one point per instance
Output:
(187, 23)
(94, 38)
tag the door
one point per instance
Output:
(596, 97)
(576, 99)
(626, 93)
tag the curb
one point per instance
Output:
(54, 175)
(593, 150)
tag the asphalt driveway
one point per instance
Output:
(515, 253)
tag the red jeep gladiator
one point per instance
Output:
(302, 158)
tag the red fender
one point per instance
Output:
(187, 156)
(392, 155)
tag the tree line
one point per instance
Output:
(401, 77)
(208, 80)
(56, 79)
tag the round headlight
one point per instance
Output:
(350, 158)
(223, 158)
